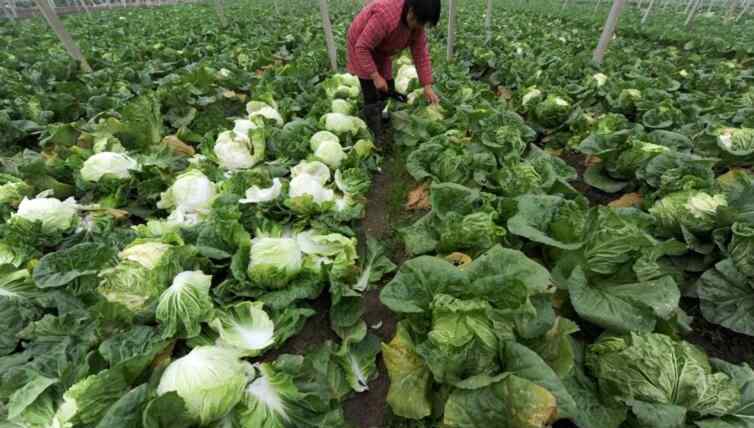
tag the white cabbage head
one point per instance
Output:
(327, 148)
(115, 164)
(55, 215)
(339, 105)
(406, 74)
(340, 123)
(309, 185)
(192, 191)
(233, 151)
(316, 169)
(601, 79)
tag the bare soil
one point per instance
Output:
(717, 341)
(595, 196)
(385, 213)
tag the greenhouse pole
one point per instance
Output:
(451, 28)
(745, 9)
(608, 31)
(692, 13)
(329, 39)
(646, 14)
(220, 12)
(731, 9)
(488, 21)
(82, 3)
(57, 26)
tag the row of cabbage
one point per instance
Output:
(146, 276)
(525, 305)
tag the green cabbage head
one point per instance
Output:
(692, 209)
(737, 141)
(210, 379)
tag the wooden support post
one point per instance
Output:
(689, 6)
(597, 5)
(6, 10)
(488, 21)
(744, 10)
(82, 4)
(220, 9)
(57, 26)
(692, 13)
(329, 39)
(646, 14)
(452, 16)
(608, 31)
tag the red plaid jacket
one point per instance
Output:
(377, 34)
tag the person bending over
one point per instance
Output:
(380, 31)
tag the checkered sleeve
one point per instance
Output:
(422, 60)
(372, 35)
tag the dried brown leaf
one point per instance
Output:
(178, 146)
(418, 199)
(627, 200)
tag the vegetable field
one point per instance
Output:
(199, 230)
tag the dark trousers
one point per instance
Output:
(370, 92)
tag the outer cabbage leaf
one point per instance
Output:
(624, 308)
(654, 369)
(185, 304)
(410, 378)
(726, 297)
(512, 402)
(550, 220)
(246, 327)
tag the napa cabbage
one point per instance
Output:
(235, 151)
(113, 164)
(55, 215)
(209, 379)
(326, 147)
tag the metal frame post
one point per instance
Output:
(329, 38)
(608, 31)
(452, 17)
(57, 26)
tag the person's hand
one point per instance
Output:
(430, 95)
(380, 83)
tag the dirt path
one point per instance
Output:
(385, 213)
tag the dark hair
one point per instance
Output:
(426, 11)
